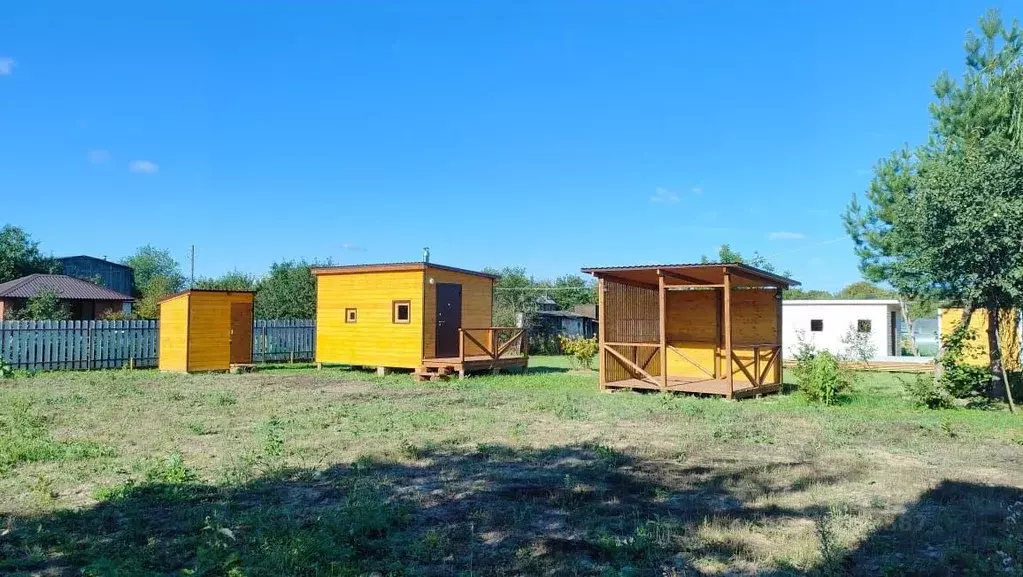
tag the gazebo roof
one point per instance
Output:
(693, 274)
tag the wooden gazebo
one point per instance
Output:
(693, 328)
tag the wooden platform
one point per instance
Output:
(882, 366)
(476, 363)
(699, 386)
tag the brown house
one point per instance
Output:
(86, 301)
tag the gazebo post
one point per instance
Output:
(601, 327)
(662, 293)
(729, 373)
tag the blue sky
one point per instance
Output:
(551, 135)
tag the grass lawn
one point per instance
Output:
(302, 472)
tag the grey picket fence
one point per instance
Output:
(85, 345)
(280, 341)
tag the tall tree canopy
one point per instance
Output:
(235, 280)
(20, 255)
(941, 222)
(287, 292)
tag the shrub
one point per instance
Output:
(859, 345)
(582, 350)
(926, 391)
(821, 378)
(960, 379)
(6, 370)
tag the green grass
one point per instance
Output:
(337, 472)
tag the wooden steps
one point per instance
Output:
(426, 373)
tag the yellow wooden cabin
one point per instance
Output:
(428, 317)
(977, 350)
(205, 330)
(694, 328)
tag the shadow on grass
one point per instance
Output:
(568, 510)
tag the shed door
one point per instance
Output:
(893, 335)
(449, 319)
(241, 333)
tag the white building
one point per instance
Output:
(825, 322)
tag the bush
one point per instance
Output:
(6, 370)
(961, 380)
(821, 378)
(583, 350)
(926, 391)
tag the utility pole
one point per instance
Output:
(191, 283)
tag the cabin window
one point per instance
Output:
(816, 325)
(351, 315)
(402, 312)
(863, 326)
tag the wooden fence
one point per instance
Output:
(85, 345)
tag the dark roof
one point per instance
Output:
(97, 259)
(565, 314)
(698, 273)
(395, 267)
(67, 287)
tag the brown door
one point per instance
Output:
(449, 319)
(241, 333)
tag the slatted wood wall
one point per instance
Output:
(631, 315)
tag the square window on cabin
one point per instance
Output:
(863, 325)
(351, 315)
(402, 312)
(816, 325)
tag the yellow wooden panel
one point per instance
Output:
(374, 339)
(977, 352)
(477, 307)
(174, 334)
(209, 330)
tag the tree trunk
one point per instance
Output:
(1005, 376)
(996, 390)
(913, 349)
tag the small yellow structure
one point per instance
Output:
(694, 328)
(433, 318)
(977, 351)
(205, 330)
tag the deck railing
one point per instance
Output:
(493, 342)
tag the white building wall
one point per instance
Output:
(837, 316)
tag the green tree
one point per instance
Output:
(570, 290)
(20, 255)
(807, 294)
(44, 306)
(941, 222)
(150, 262)
(287, 292)
(148, 304)
(235, 280)
(513, 293)
(865, 290)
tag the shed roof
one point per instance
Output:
(97, 259)
(395, 267)
(195, 290)
(66, 287)
(694, 273)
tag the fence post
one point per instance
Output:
(88, 352)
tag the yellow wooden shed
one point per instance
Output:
(422, 316)
(205, 330)
(977, 350)
(694, 328)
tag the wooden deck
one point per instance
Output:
(477, 363)
(699, 386)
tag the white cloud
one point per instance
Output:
(6, 65)
(786, 235)
(353, 247)
(698, 189)
(664, 196)
(98, 155)
(143, 166)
